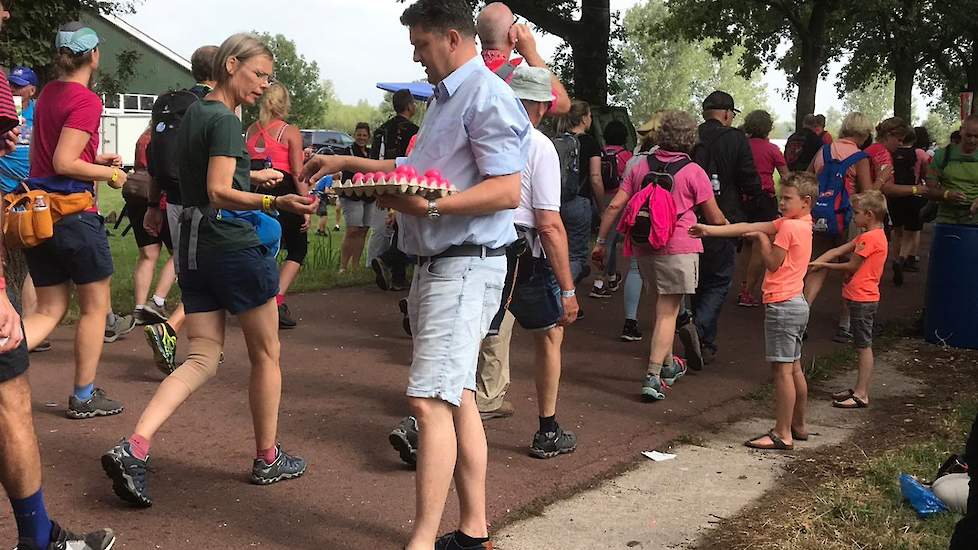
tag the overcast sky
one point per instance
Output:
(356, 43)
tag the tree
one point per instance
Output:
(874, 101)
(300, 78)
(111, 85)
(952, 55)
(815, 29)
(344, 117)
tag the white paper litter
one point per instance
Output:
(657, 456)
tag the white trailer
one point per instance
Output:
(124, 119)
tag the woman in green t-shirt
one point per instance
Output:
(224, 266)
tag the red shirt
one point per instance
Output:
(878, 157)
(63, 105)
(826, 137)
(141, 145)
(767, 158)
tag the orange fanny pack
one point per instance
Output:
(29, 217)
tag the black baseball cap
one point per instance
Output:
(719, 101)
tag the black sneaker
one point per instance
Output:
(402, 305)
(600, 292)
(63, 539)
(450, 542)
(42, 347)
(692, 349)
(897, 272)
(551, 444)
(383, 278)
(404, 439)
(630, 332)
(285, 467)
(285, 319)
(580, 313)
(911, 264)
(614, 282)
(128, 474)
(97, 405)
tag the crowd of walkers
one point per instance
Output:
(694, 206)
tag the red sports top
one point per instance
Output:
(272, 148)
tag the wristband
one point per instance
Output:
(568, 293)
(601, 240)
(267, 203)
(115, 175)
(946, 193)
(913, 190)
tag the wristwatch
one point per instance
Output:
(433, 213)
(568, 293)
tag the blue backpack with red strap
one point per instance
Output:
(833, 211)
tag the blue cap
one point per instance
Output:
(22, 76)
(77, 38)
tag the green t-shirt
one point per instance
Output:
(210, 129)
(960, 174)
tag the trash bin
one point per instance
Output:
(952, 287)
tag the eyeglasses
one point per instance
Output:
(269, 78)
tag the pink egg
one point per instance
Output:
(433, 174)
(410, 171)
(391, 176)
(379, 176)
(358, 177)
(402, 169)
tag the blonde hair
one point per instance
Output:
(242, 46)
(275, 104)
(871, 201)
(804, 182)
(856, 124)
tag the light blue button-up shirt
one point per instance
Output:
(475, 128)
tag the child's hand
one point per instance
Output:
(756, 235)
(816, 265)
(699, 231)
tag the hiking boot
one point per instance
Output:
(911, 264)
(842, 336)
(404, 439)
(402, 305)
(897, 272)
(128, 474)
(96, 405)
(117, 326)
(630, 332)
(671, 373)
(162, 339)
(614, 282)
(285, 319)
(694, 353)
(551, 444)
(449, 542)
(653, 389)
(600, 290)
(285, 467)
(149, 314)
(63, 539)
(42, 347)
(505, 410)
(383, 274)
(746, 299)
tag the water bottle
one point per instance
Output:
(42, 221)
(715, 182)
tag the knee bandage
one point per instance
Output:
(201, 363)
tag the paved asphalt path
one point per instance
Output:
(345, 370)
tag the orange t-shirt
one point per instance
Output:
(795, 237)
(864, 285)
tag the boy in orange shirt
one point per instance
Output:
(785, 308)
(867, 260)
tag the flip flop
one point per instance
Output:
(856, 403)
(842, 395)
(777, 444)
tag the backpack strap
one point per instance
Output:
(852, 159)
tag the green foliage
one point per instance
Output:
(952, 54)
(344, 117)
(109, 84)
(300, 77)
(940, 124)
(875, 101)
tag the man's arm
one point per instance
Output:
(322, 165)
(526, 46)
(554, 239)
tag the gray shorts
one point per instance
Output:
(862, 317)
(671, 273)
(452, 302)
(173, 212)
(358, 213)
(784, 327)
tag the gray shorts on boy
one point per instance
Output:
(784, 327)
(862, 318)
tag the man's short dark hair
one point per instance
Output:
(810, 121)
(202, 63)
(362, 126)
(615, 133)
(402, 100)
(440, 16)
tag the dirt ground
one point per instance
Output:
(345, 370)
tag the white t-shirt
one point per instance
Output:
(539, 180)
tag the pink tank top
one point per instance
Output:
(271, 148)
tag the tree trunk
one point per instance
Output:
(807, 86)
(904, 73)
(590, 73)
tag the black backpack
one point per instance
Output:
(162, 162)
(662, 175)
(904, 166)
(569, 153)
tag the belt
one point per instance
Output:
(465, 250)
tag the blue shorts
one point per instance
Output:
(536, 302)
(78, 252)
(234, 281)
(451, 304)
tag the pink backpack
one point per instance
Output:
(650, 216)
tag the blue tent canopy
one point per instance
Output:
(420, 90)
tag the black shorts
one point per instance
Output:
(765, 209)
(294, 240)
(78, 251)
(536, 302)
(905, 212)
(14, 362)
(136, 212)
(235, 281)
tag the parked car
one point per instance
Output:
(331, 140)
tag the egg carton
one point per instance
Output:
(405, 182)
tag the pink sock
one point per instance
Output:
(279, 299)
(268, 455)
(139, 446)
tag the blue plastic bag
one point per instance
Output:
(923, 500)
(266, 227)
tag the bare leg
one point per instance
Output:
(52, 304)
(323, 222)
(799, 421)
(547, 345)
(864, 377)
(260, 328)
(785, 397)
(352, 247)
(914, 246)
(142, 274)
(664, 327)
(20, 459)
(437, 452)
(470, 470)
(93, 303)
(813, 284)
(28, 297)
(360, 241)
(177, 317)
(287, 274)
(168, 276)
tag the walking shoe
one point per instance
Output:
(746, 299)
(580, 313)
(321, 233)
(670, 374)
(630, 332)
(404, 439)
(614, 282)
(505, 410)
(128, 474)
(96, 405)
(653, 389)
(42, 347)
(693, 352)
(402, 305)
(450, 542)
(551, 444)
(600, 292)
(285, 319)
(162, 339)
(149, 314)
(63, 539)
(911, 264)
(285, 467)
(897, 272)
(336, 227)
(117, 326)
(383, 278)
(842, 336)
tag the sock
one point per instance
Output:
(268, 455)
(548, 424)
(139, 446)
(465, 541)
(667, 362)
(84, 393)
(598, 283)
(140, 307)
(32, 519)
(654, 368)
(279, 299)
(158, 301)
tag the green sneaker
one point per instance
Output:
(162, 339)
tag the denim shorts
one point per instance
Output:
(235, 281)
(358, 213)
(451, 305)
(536, 302)
(862, 317)
(78, 252)
(784, 327)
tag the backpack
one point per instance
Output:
(569, 154)
(613, 161)
(701, 153)
(650, 216)
(832, 211)
(161, 156)
(798, 150)
(905, 166)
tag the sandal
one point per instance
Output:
(856, 403)
(842, 395)
(777, 444)
(802, 436)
